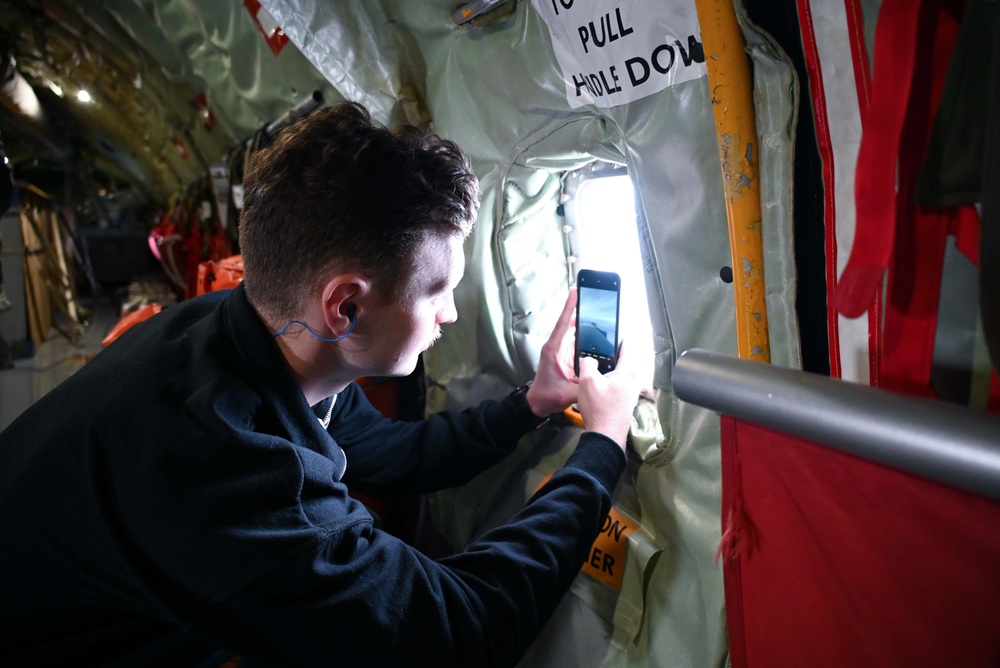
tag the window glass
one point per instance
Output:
(608, 240)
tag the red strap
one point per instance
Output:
(912, 307)
(862, 79)
(921, 232)
(817, 93)
(875, 181)
(965, 227)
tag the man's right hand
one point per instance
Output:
(606, 402)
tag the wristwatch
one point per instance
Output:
(520, 399)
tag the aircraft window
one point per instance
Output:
(607, 239)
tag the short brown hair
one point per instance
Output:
(338, 191)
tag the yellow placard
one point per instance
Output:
(606, 560)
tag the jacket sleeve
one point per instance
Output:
(445, 450)
(363, 598)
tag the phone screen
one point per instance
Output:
(598, 294)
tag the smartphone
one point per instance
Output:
(597, 305)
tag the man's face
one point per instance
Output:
(410, 324)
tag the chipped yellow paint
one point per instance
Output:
(732, 105)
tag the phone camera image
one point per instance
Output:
(597, 318)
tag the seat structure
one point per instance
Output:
(859, 525)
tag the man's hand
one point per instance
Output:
(607, 401)
(555, 387)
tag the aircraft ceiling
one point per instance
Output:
(174, 86)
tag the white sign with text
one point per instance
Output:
(615, 51)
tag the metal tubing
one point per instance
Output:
(946, 442)
(303, 108)
(739, 154)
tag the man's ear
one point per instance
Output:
(344, 297)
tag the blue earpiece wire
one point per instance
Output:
(350, 314)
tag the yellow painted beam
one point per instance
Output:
(735, 124)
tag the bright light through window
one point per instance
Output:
(609, 241)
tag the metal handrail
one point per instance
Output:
(953, 444)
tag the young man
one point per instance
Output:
(186, 491)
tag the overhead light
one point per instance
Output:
(83, 96)
(23, 96)
(54, 87)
